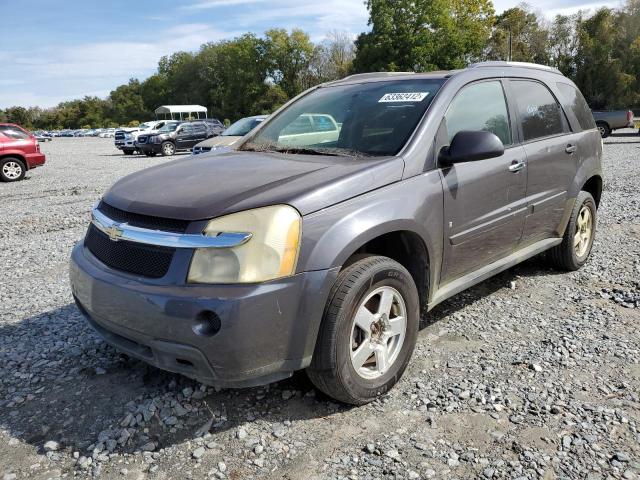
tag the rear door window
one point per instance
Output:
(323, 123)
(13, 132)
(480, 106)
(185, 130)
(302, 124)
(539, 112)
(578, 104)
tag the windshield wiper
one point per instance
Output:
(330, 151)
(306, 151)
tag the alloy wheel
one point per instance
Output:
(378, 332)
(169, 149)
(584, 229)
(12, 170)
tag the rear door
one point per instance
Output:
(199, 133)
(484, 201)
(552, 153)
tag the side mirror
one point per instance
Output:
(469, 146)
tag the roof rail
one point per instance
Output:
(501, 63)
(364, 76)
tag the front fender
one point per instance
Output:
(332, 235)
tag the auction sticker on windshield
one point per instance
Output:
(403, 97)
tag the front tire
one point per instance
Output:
(12, 169)
(168, 149)
(368, 332)
(578, 238)
(127, 152)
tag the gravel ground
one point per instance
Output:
(532, 374)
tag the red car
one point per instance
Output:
(19, 152)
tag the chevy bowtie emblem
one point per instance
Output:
(114, 232)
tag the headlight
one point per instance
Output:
(271, 252)
(128, 136)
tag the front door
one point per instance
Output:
(484, 201)
(184, 136)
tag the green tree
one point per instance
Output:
(289, 56)
(563, 43)
(154, 92)
(600, 70)
(529, 37)
(180, 73)
(232, 76)
(127, 102)
(423, 35)
(18, 115)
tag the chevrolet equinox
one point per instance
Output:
(355, 207)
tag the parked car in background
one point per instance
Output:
(19, 152)
(174, 137)
(239, 269)
(42, 136)
(125, 139)
(230, 136)
(609, 120)
(217, 127)
(311, 128)
(107, 133)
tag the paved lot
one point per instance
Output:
(532, 374)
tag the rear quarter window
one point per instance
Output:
(578, 105)
(13, 132)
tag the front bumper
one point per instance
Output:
(266, 331)
(150, 147)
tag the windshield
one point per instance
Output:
(169, 127)
(242, 127)
(373, 118)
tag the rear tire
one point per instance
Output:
(578, 238)
(12, 169)
(604, 129)
(168, 149)
(368, 332)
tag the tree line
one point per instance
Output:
(251, 74)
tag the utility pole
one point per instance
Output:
(510, 58)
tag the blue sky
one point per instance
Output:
(55, 51)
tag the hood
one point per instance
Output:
(219, 141)
(206, 186)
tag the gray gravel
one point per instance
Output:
(532, 374)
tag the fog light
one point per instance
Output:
(206, 324)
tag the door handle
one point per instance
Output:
(516, 166)
(571, 148)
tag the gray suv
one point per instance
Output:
(357, 206)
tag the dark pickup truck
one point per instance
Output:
(610, 120)
(317, 245)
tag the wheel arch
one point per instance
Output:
(17, 155)
(396, 221)
(406, 247)
(593, 185)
